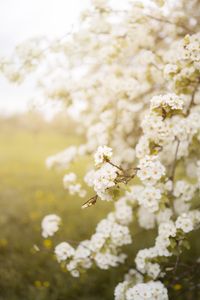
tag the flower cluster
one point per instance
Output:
(62, 159)
(50, 224)
(167, 102)
(63, 251)
(149, 198)
(150, 169)
(133, 287)
(103, 249)
(102, 180)
(69, 182)
(183, 193)
(168, 234)
(150, 290)
(103, 153)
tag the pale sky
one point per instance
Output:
(22, 19)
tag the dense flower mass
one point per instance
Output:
(167, 102)
(131, 80)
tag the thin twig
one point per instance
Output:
(177, 259)
(173, 174)
(192, 98)
(170, 22)
(112, 164)
(174, 162)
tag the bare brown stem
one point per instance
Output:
(112, 164)
(192, 98)
(170, 195)
(175, 161)
(170, 22)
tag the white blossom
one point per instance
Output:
(103, 179)
(123, 212)
(146, 218)
(184, 223)
(184, 190)
(50, 224)
(103, 153)
(64, 251)
(120, 290)
(149, 198)
(145, 291)
(69, 181)
(62, 159)
(150, 169)
(69, 178)
(170, 100)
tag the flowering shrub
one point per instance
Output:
(130, 79)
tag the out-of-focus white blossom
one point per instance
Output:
(69, 181)
(146, 219)
(62, 159)
(150, 198)
(50, 224)
(184, 190)
(184, 223)
(69, 178)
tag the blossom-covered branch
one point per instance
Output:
(131, 82)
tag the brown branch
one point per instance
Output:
(171, 177)
(177, 259)
(192, 98)
(175, 161)
(112, 164)
(170, 22)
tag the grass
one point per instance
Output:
(28, 191)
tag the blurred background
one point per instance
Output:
(30, 131)
(21, 20)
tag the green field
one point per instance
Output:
(28, 191)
